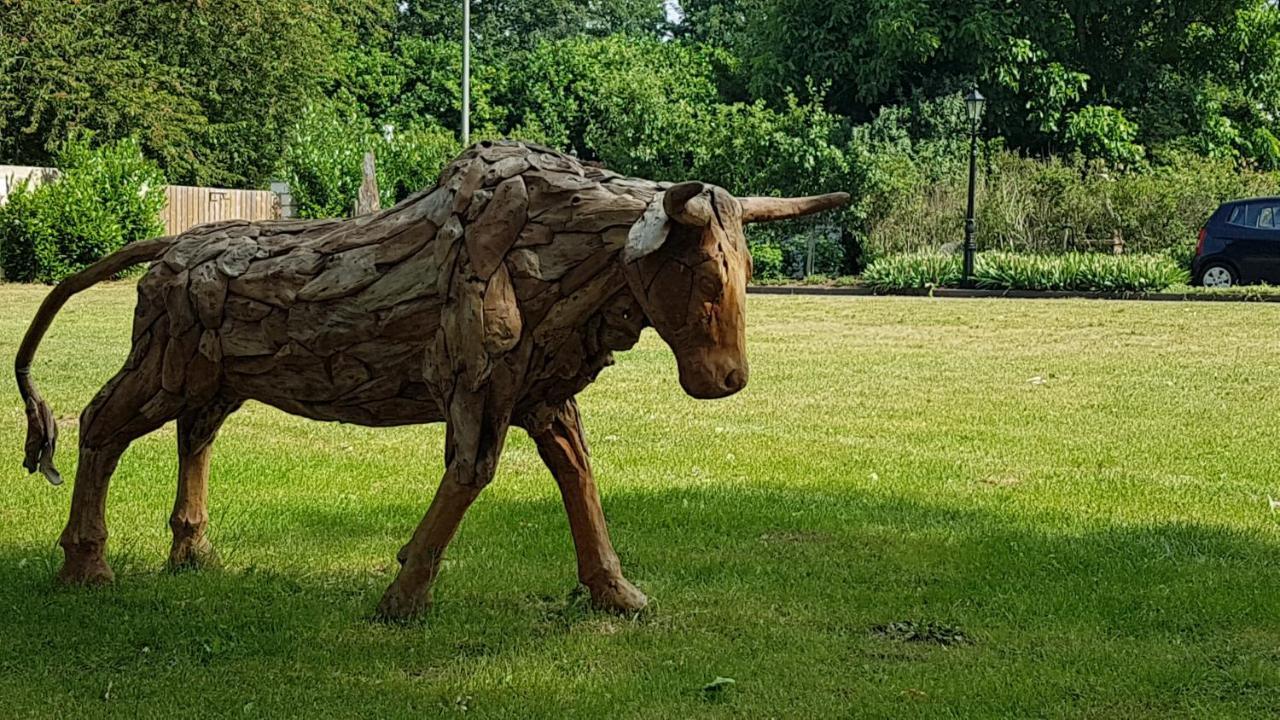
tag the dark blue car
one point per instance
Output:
(1240, 244)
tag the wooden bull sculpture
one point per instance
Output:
(487, 301)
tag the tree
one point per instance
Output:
(504, 25)
(1204, 70)
(208, 87)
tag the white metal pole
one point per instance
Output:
(466, 72)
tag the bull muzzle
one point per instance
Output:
(708, 377)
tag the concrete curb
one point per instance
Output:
(1016, 294)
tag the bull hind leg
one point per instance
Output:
(564, 450)
(196, 432)
(130, 405)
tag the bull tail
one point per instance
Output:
(42, 430)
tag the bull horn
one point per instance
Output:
(766, 209)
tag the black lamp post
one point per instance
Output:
(973, 103)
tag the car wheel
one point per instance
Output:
(1218, 275)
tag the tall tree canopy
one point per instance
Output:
(213, 89)
(501, 25)
(208, 86)
(1204, 71)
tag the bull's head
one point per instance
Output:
(688, 265)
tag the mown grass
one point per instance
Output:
(918, 508)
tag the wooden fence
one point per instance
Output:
(185, 207)
(190, 206)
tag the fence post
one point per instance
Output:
(367, 200)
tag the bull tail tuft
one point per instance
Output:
(42, 430)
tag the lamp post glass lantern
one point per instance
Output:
(973, 105)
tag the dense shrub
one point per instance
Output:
(1103, 132)
(828, 254)
(913, 271)
(411, 160)
(1011, 271)
(1078, 271)
(324, 156)
(105, 197)
(766, 261)
(1062, 205)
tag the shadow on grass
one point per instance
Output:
(769, 570)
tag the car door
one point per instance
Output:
(1253, 232)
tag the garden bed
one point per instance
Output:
(1020, 275)
(1245, 294)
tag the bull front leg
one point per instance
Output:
(563, 448)
(476, 432)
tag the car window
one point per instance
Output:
(1264, 215)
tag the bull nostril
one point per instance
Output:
(735, 380)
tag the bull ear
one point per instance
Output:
(687, 204)
(765, 209)
(649, 232)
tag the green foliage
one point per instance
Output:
(916, 271)
(628, 103)
(1054, 205)
(504, 27)
(324, 156)
(1013, 271)
(322, 160)
(1205, 70)
(1103, 132)
(107, 196)
(207, 88)
(1078, 271)
(796, 238)
(766, 261)
(212, 89)
(411, 160)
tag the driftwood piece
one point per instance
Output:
(209, 291)
(535, 234)
(495, 231)
(502, 324)
(462, 319)
(504, 168)
(276, 281)
(406, 243)
(417, 275)
(235, 261)
(567, 252)
(524, 264)
(345, 273)
(564, 316)
(465, 183)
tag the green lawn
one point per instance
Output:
(1078, 488)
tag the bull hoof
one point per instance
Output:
(399, 607)
(85, 571)
(618, 596)
(195, 554)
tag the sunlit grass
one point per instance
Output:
(1078, 487)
